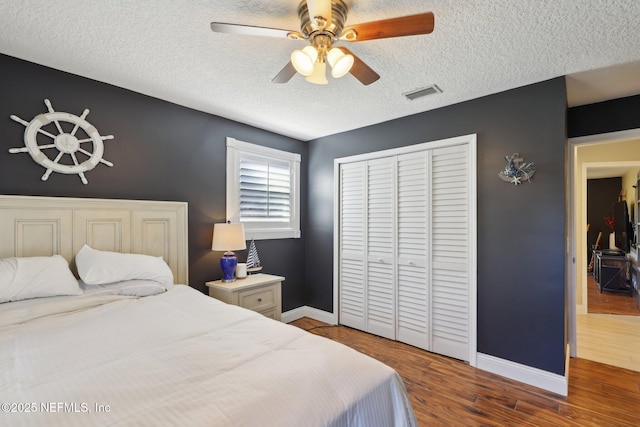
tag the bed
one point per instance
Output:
(119, 354)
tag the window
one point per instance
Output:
(263, 190)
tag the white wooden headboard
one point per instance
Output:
(44, 226)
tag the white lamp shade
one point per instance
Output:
(319, 75)
(304, 59)
(340, 63)
(228, 237)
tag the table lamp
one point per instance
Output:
(228, 237)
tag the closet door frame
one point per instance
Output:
(471, 141)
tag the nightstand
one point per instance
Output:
(258, 292)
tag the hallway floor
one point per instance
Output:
(610, 339)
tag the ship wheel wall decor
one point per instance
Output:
(65, 142)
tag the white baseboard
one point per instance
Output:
(313, 313)
(525, 374)
(291, 315)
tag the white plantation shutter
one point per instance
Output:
(263, 190)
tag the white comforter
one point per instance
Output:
(183, 359)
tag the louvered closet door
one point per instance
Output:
(450, 275)
(352, 247)
(413, 307)
(380, 295)
(405, 248)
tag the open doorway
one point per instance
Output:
(611, 202)
(604, 338)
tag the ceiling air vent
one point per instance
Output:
(419, 93)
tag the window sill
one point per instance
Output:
(271, 234)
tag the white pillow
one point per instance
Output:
(134, 288)
(35, 277)
(102, 267)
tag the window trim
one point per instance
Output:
(235, 150)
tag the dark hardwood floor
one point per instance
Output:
(609, 303)
(448, 392)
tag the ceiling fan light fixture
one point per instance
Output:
(319, 75)
(303, 60)
(340, 63)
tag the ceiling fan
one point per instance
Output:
(322, 24)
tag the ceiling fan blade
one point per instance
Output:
(221, 27)
(319, 8)
(360, 70)
(411, 25)
(285, 74)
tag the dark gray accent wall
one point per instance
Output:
(604, 117)
(161, 151)
(521, 230)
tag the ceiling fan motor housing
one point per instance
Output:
(332, 28)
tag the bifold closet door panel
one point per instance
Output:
(450, 275)
(352, 289)
(381, 207)
(413, 303)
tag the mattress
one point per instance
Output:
(181, 358)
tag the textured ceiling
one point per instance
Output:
(165, 48)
